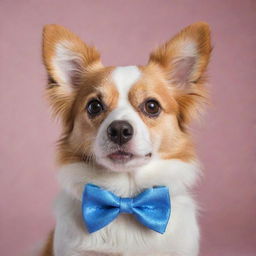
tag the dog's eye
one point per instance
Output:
(151, 108)
(94, 108)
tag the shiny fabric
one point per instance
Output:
(100, 207)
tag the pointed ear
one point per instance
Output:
(66, 57)
(185, 57)
(67, 60)
(184, 60)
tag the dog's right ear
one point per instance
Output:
(67, 60)
(184, 60)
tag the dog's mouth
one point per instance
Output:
(122, 157)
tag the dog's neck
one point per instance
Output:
(175, 174)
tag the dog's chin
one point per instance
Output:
(122, 161)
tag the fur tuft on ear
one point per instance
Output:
(67, 60)
(184, 60)
(65, 56)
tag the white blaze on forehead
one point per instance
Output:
(124, 78)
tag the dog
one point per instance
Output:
(125, 130)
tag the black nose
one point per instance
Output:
(120, 132)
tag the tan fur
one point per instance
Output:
(192, 96)
(69, 105)
(60, 99)
(54, 34)
(200, 34)
(175, 143)
(77, 138)
(48, 248)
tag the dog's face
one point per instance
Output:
(123, 117)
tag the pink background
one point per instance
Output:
(125, 32)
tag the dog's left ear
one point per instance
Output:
(68, 60)
(184, 60)
(66, 56)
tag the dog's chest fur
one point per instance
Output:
(125, 235)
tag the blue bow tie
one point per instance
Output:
(151, 208)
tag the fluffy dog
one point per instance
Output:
(125, 130)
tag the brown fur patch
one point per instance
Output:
(80, 130)
(174, 143)
(192, 95)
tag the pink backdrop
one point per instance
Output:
(125, 32)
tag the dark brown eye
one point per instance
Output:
(152, 108)
(94, 108)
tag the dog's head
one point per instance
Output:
(122, 117)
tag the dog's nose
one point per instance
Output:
(120, 132)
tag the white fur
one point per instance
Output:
(64, 63)
(188, 48)
(124, 78)
(125, 235)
